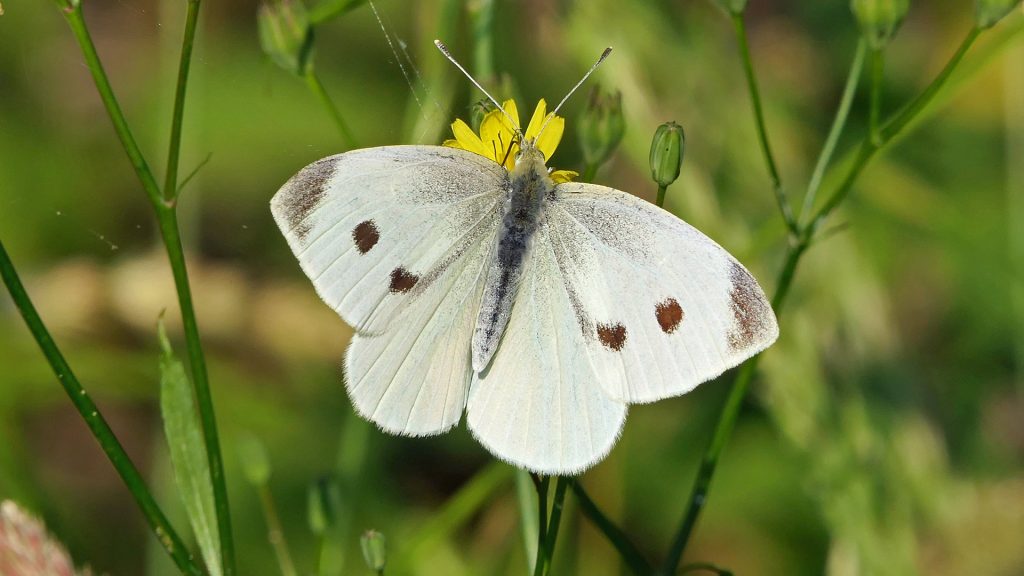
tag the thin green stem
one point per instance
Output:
(877, 82)
(317, 87)
(174, 147)
(740, 28)
(542, 517)
(838, 123)
(543, 568)
(457, 510)
(167, 216)
(894, 126)
(727, 418)
(275, 534)
(590, 171)
(73, 14)
(660, 200)
(630, 554)
(155, 517)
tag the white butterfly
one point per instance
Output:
(541, 309)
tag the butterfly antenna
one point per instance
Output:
(444, 50)
(551, 114)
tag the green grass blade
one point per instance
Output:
(188, 453)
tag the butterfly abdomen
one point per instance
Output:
(530, 186)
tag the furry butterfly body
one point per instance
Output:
(543, 310)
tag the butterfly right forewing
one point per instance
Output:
(662, 306)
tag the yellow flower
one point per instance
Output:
(499, 142)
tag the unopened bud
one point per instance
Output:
(601, 126)
(667, 153)
(734, 7)
(879, 19)
(324, 502)
(988, 12)
(255, 463)
(286, 35)
(374, 552)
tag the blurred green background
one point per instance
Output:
(885, 436)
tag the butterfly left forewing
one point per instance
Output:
(372, 227)
(662, 307)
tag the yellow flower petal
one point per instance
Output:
(563, 176)
(494, 135)
(510, 107)
(548, 141)
(468, 139)
(538, 119)
(452, 144)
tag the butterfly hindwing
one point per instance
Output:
(372, 228)
(539, 403)
(662, 307)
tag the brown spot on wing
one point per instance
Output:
(669, 315)
(751, 313)
(613, 336)
(402, 280)
(305, 192)
(365, 235)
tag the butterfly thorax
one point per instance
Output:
(530, 186)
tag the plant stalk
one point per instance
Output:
(97, 424)
(740, 28)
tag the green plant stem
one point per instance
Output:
(888, 131)
(174, 147)
(275, 534)
(167, 217)
(317, 87)
(877, 81)
(630, 554)
(660, 199)
(543, 564)
(740, 28)
(542, 516)
(457, 510)
(73, 14)
(727, 418)
(590, 171)
(845, 103)
(158, 522)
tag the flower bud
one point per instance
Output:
(988, 12)
(667, 153)
(734, 7)
(255, 464)
(324, 502)
(286, 35)
(879, 19)
(374, 553)
(601, 126)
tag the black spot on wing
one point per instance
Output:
(304, 193)
(365, 235)
(752, 315)
(402, 280)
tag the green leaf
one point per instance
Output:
(188, 453)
